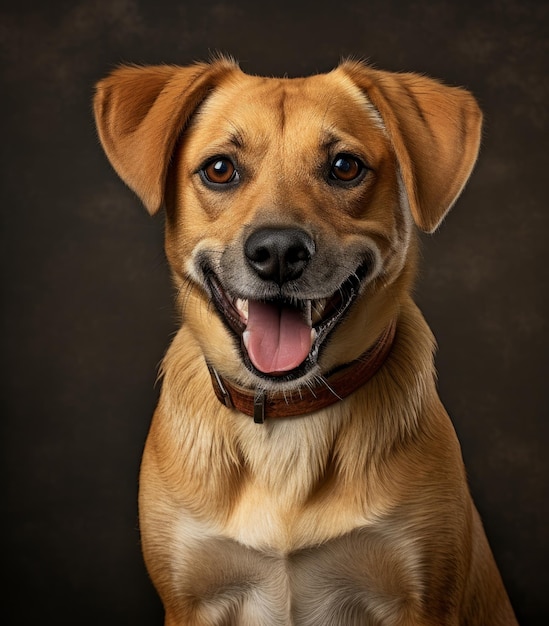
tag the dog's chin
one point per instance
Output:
(320, 316)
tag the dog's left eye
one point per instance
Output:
(220, 171)
(346, 168)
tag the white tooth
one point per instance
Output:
(242, 308)
(313, 335)
(246, 338)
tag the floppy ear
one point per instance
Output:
(435, 131)
(140, 113)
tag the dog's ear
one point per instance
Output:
(435, 131)
(140, 113)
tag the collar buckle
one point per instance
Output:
(259, 406)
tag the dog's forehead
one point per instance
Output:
(315, 106)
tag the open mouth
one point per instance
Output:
(282, 338)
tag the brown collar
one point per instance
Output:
(260, 404)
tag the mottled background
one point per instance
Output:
(87, 306)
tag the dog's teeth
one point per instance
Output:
(313, 335)
(246, 338)
(242, 307)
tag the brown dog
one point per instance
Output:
(290, 231)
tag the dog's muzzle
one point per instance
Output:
(280, 331)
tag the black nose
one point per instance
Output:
(279, 254)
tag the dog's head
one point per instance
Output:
(290, 202)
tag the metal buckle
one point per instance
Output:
(259, 406)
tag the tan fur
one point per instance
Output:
(359, 513)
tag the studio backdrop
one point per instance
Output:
(88, 303)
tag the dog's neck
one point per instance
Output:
(338, 385)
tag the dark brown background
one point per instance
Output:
(88, 302)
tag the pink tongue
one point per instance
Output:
(277, 338)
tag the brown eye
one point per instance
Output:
(346, 168)
(220, 171)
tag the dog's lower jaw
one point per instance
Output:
(329, 390)
(377, 302)
(302, 328)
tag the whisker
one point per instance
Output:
(324, 382)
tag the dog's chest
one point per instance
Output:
(366, 575)
(281, 557)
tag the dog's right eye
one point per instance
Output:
(346, 168)
(220, 171)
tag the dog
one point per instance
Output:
(300, 468)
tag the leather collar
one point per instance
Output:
(339, 384)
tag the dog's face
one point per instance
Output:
(290, 202)
(284, 209)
